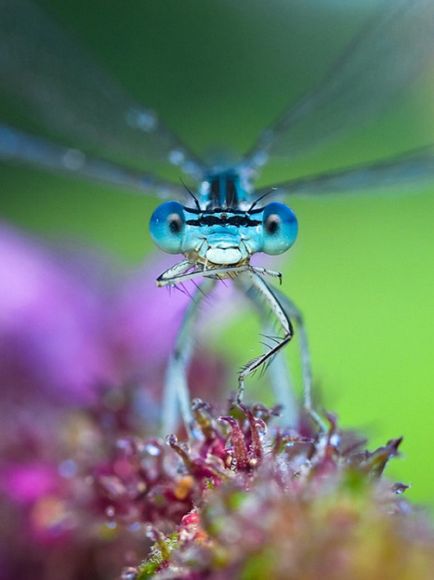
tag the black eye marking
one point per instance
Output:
(175, 223)
(272, 223)
(239, 219)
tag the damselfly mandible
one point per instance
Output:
(94, 129)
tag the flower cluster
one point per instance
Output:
(247, 500)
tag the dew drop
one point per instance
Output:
(335, 439)
(260, 159)
(171, 439)
(129, 574)
(150, 532)
(152, 449)
(73, 159)
(176, 157)
(142, 119)
(110, 511)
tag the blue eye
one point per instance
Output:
(167, 226)
(279, 228)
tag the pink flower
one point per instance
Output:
(26, 483)
(51, 326)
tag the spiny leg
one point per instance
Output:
(253, 283)
(224, 271)
(306, 364)
(179, 273)
(267, 272)
(176, 387)
(279, 371)
(168, 277)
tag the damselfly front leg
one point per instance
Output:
(267, 272)
(180, 273)
(168, 276)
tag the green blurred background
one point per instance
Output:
(218, 72)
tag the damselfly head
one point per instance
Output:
(223, 236)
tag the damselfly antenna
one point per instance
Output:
(188, 190)
(261, 197)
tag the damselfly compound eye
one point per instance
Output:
(272, 223)
(167, 226)
(175, 222)
(279, 228)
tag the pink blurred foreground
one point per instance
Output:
(82, 358)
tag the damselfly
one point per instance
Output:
(92, 128)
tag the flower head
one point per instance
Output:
(261, 502)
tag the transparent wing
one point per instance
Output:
(390, 50)
(411, 167)
(69, 98)
(19, 147)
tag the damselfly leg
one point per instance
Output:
(266, 297)
(306, 364)
(180, 273)
(176, 390)
(279, 372)
(251, 281)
